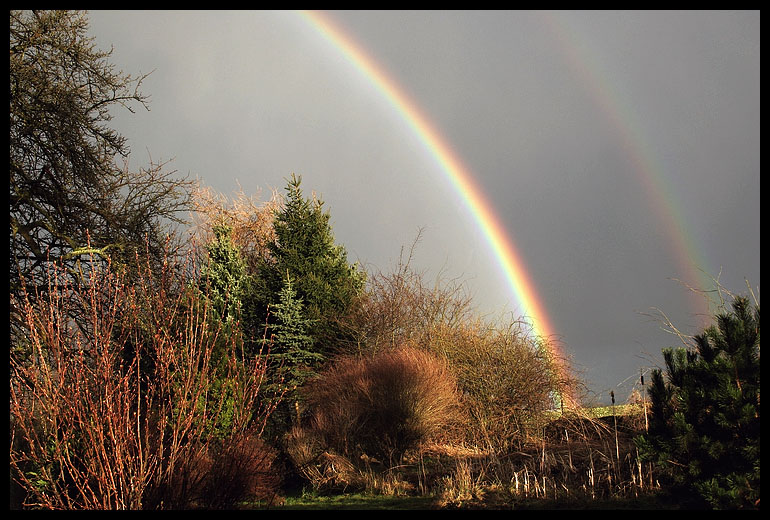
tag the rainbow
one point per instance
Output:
(457, 173)
(586, 65)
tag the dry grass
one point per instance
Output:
(573, 460)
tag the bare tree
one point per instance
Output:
(72, 195)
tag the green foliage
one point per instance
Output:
(303, 248)
(705, 415)
(291, 343)
(224, 274)
(292, 358)
(224, 284)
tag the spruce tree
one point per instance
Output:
(304, 248)
(224, 274)
(292, 358)
(224, 283)
(705, 415)
(292, 346)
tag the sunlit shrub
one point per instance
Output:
(111, 396)
(506, 375)
(381, 406)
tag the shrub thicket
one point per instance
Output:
(118, 409)
(507, 377)
(379, 407)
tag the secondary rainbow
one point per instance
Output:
(457, 173)
(586, 63)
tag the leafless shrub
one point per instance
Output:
(114, 411)
(243, 467)
(250, 221)
(401, 308)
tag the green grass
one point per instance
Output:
(596, 412)
(352, 501)
(364, 501)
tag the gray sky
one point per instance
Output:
(620, 150)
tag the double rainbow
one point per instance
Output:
(620, 113)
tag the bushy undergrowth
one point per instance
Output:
(375, 409)
(506, 376)
(116, 399)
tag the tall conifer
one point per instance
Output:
(305, 250)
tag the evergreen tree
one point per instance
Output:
(224, 274)
(224, 282)
(292, 346)
(303, 248)
(705, 416)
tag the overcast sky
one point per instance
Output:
(620, 150)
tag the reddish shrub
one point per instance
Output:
(111, 398)
(381, 406)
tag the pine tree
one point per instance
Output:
(705, 416)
